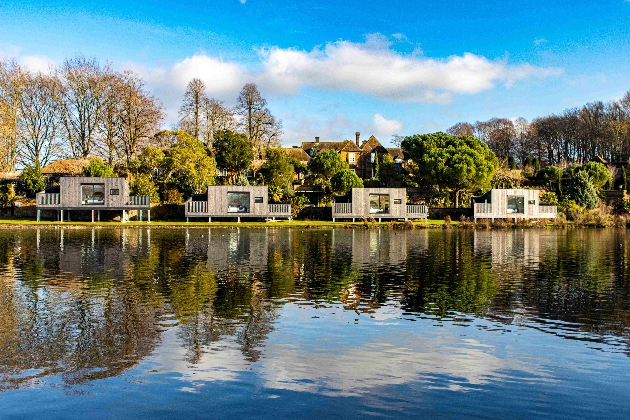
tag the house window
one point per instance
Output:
(92, 194)
(114, 191)
(372, 157)
(353, 170)
(258, 200)
(379, 203)
(532, 201)
(397, 201)
(238, 202)
(351, 157)
(515, 204)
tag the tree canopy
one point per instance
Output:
(233, 152)
(456, 163)
(326, 164)
(343, 181)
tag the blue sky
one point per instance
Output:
(330, 68)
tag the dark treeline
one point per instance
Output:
(576, 135)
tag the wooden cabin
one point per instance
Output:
(93, 194)
(511, 204)
(235, 201)
(379, 203)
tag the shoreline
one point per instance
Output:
(16, 223)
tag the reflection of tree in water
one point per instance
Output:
(79, 326)
(90, 304)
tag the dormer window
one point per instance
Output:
(351, 157)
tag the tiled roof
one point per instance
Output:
(66, 167)
(296, 153)
(345, 146)
(396, 152)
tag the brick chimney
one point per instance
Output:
(358, 134)
(316, 139)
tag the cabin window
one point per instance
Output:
(397, 201)
(515, 204)
(114, 191)
(93, 194)
(379, 203)
(238, 202)
(258, 200)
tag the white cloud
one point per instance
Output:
(373, 68)
(383, 127)
(539, 41)
(38, 63)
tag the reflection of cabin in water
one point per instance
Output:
(235, 201)
(91, 194)
(379, 203)
(511, 204)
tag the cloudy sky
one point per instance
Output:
(330, 68)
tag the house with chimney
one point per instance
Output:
(349, 151)
(360, 156)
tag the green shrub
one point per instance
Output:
(173, 197)
(582, 190)
(142, 185)
(98, 168)
(33, 179)
(7, 195)
(548, 198)
(298, 202)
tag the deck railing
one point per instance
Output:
(416, 209)
(343, 208)
(547, 209)
(139, 200)
(279, 208)
(49, 199)
(483, 208)
(197, 207)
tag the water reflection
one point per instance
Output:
(83, 304)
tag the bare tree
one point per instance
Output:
(461, 129)
(190, 113)
(109, 142)
(12, 81)
(140, 114)
(261, 128)
(38, 125)
(80, 92)
(216, 117)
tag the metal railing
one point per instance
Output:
(548, 209)
(139, 200)
(416, 209)
(197, 207)
(483, 208)
(343, 208)
(279, 208)
(49, 199)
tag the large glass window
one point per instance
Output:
(515, 204)
(238, 202)
(379, 203)
(93, 194)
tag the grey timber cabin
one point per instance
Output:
(235, 201)
(92, 194)
(379, 203)
(511, 204)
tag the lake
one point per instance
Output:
(290, 323)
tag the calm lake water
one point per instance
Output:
(280, 323)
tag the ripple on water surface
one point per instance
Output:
(311, 324)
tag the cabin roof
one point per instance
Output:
(66, 167)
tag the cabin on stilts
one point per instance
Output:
(92, 194)
(378, 203)
(233, 201)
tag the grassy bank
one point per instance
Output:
(308, 224)
(618, 222)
